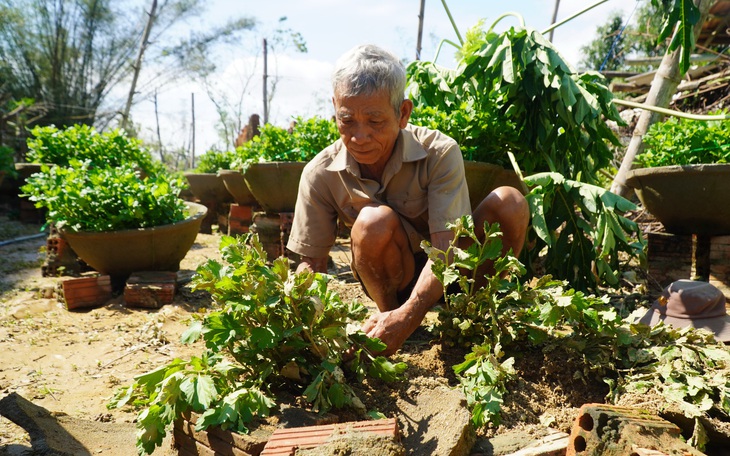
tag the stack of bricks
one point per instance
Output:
(273, 231)
(60, 260)
(285, 223)
(720, 263)
(673, 257)
(150, 289)
(240, 218)
(85, 292)
(669, 257)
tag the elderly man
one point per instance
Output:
(395, 185)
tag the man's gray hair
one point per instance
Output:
(368, 69)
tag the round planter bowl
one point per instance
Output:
(275, 184)
(208, 188)
(482, 178)
(120, 253)
(236, 186)
(689, 199)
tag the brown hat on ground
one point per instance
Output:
(691, 303)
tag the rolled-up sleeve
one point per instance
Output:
(314, 228)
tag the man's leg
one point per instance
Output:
(381, 255)
(508, 207)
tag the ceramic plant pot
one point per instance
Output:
(275, 184)
(236, 186)
(689, 199)
(120, 253)
(208, 188)
(482, 178)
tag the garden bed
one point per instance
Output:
(72, 362)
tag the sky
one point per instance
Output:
(330, 28)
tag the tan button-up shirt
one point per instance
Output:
(423, 182)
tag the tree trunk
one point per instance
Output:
(663, 87)
(138, 63)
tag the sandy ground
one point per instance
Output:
(70, 363)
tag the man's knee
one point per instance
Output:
(375, 224)
(506, 206)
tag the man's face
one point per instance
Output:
(369, 126)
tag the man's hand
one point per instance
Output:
(392, 328)
(313, 264)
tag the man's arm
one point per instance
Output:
(394, 327)
(313, 264)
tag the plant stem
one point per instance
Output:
(513, 14)
(670, 112)
(438, 49)
(453, 24)
(570, 18)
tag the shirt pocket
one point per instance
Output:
(409, 205)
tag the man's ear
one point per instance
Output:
(406, 108)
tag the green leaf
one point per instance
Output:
(263, 338)
(386, 370)
(192, 333)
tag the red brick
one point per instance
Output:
(86, 291)
(241, 212)
(287, 441)
(150, 289)
(608, 430)
(240, 218)
(215, 440)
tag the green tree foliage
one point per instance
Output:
(69, 54)
(65, 54)
(648, 35)
(557, 116)
(512, 93)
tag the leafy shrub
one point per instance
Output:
(517, 86)
(584, 228)
(82, 197)
(687, 367)
(213, 161)
(83, 143)
(307, 139)
(482, 134)
(686, 142)
(275, 329)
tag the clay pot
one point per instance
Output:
(236, 186)
(482, 178)
(208, 188)
(689, 199)
(120, 253)
(275, 184)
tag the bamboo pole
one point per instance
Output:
(662, 89)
